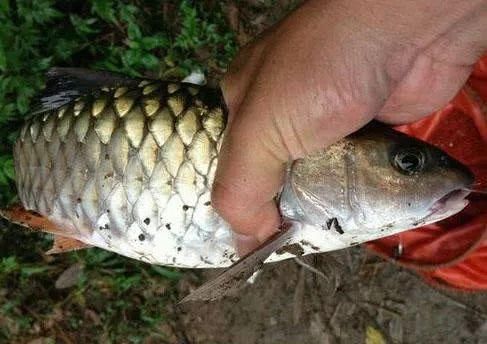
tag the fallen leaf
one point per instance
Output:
(69, 277)
(374, 336)
(42, 340)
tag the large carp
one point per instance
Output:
(128, 164)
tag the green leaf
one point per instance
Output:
(127, 13)
(124, 283)
(83, 26)
(3, 58)
(167, 272)
(3, 179)
(4, 6)
(22, 104)
(4, 83)
(131, 57)
(105, 9)
(97, 257)
(149, 61)
(133, 31)
(65, 48)
(153, 42)
(8, 168)
(8, 265)
(32, 270)
(44, 63)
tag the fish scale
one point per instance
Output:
(128, 170)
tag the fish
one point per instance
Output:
(127, 165)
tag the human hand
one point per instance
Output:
(324, 72)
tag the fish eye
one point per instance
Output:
(409, 160)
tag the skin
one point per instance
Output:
(322, 73)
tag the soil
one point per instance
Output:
(356, 294)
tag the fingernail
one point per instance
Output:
(245, 243)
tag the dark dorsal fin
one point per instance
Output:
(66, 84)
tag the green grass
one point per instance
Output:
(114, 299)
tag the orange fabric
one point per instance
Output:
(452, 253)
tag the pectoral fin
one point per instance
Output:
(233, 278)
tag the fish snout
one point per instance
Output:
(466, 178)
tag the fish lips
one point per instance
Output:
(448, 205)
(455, 200)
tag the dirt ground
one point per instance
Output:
(359, 298)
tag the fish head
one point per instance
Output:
(376, 179)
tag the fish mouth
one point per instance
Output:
(448, 205)
(452, 196)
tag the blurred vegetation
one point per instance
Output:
(114, 299)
